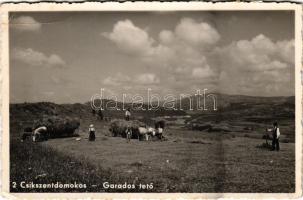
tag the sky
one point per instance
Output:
(67, 57)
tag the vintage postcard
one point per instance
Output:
(151, 100)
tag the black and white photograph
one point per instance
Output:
(154, 101)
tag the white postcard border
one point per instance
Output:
(144, 6)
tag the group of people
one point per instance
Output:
(147, 132)
(42, 132)
(92, 131)
(159, 129)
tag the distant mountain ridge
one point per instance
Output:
(224, 103)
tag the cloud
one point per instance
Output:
(147, 78)
(111, 81)
(259, 54)
(181, 51)
(196, 33)
(202, 72)
(166, 37)
(286, 50)
(130, 38)
(36, 58)
(116, 80)
(182, 47)
(25, 23)
(126, 81)
(59, 80)
(191, 55)
(257, 67)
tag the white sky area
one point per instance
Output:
(68, 57)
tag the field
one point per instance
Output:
(189, 160)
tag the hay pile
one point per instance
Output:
(118, 127)
(58, 126)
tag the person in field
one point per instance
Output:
(127, 114)
(40, 132)
(128, 132)
(100, 114)
(91, 132)
(159, 126)
(275, 137)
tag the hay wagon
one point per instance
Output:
(58, 126)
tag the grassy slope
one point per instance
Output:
(29, 160)
(190, 161)
(199, 163)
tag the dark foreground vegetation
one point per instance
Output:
(37, 164)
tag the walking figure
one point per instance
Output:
(91, 131)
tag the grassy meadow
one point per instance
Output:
(232, 159)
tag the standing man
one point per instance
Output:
(128, 134)
(100, 114)
(275, 137)
(127, 114)
(91, 133)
